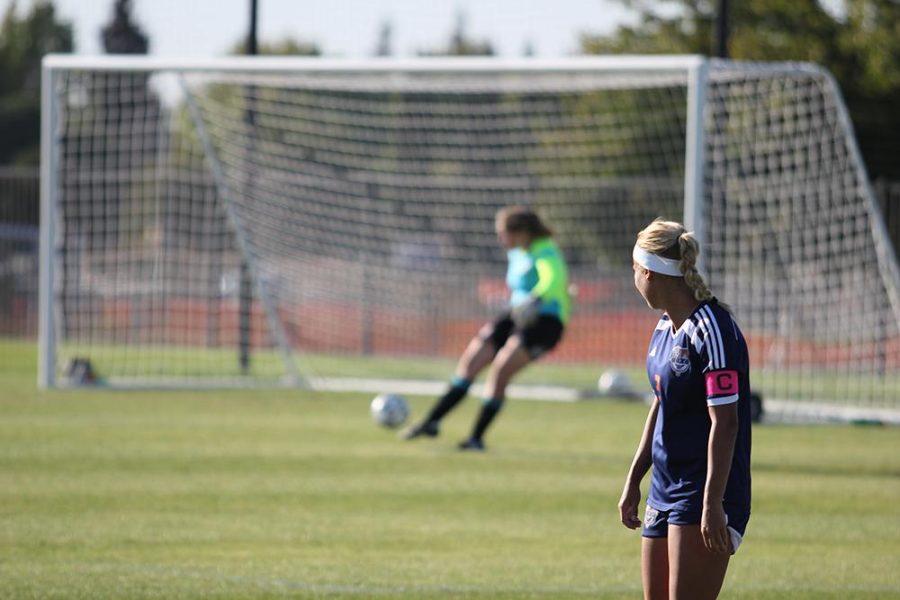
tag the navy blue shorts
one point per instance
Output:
(656, 523)
(538, 338)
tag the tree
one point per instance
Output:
(859, 44)
(284, 47)
(23, 43)
(461, 44)
(384, 47)
(122, 35)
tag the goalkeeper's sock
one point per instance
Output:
(490, 407)
(458, 389)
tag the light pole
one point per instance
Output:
(721, 49)
(245, 291)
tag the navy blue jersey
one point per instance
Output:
(704, 363)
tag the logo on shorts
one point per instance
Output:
(651, 515)
(680, 359)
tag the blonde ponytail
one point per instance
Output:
(669, 239)
(689, 249)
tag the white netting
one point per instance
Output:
(362, 204)
(795, 239)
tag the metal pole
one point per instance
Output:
(694, 162)
(721, 49)
(252, 48)
(245, 289)
(48, 244)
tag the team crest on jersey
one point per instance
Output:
(680, 359)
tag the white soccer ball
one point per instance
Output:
(389, 410)
(614, 383)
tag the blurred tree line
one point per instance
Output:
(23, 41)
(858, 41)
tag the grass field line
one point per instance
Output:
(819, 412)
(779, 410)
(366, 590)
(421, 387)
(374, 385)
(286, 584)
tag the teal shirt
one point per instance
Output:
(540, 271)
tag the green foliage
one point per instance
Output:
(286, 46)
(859, 44)
(290, 494)
(24, 40)
(460, 43)
(122, 35)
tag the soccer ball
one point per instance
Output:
(389, 410)
(615, 383)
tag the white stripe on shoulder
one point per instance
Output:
(717, 349)
(663, 324)
(703, 326)
(719, 337)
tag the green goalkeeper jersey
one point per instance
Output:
(540, 271)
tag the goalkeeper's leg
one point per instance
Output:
(522, 347)
(477, 355)
(511, 359)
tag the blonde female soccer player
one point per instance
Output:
(538, 312)
(697, 435)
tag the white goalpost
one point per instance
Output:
(327, 223)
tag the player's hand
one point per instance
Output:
(628, 506)
(714, 528)
(526, 314)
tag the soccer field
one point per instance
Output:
(285, 493)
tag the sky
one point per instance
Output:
(348, 28)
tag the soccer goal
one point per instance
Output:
(297, 221)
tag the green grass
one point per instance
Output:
(275, 494)
(130, 361)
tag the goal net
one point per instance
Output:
(316, 222)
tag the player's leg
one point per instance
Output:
(695, 573)
(655, 568)
(655, 554)
(523, 347)
(477, 355)
(512, 358)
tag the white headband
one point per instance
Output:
(656, 263)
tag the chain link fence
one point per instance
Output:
(19, 233)
(19, 227)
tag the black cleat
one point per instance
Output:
(425, 428)
(472, 444)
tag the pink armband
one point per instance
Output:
(720, 383)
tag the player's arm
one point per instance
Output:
(550, 271)
(643, 460)
(722, 396)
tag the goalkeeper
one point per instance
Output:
(532, 325)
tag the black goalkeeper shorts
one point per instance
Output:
(538, 338)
